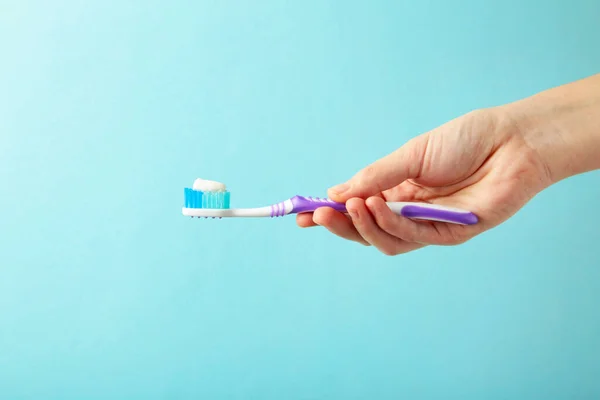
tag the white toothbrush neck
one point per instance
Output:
(228, 212)
(276, 210)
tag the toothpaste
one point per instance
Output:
(202, 185)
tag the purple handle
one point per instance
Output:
(309, 204)
(436, 214)
(303, 204)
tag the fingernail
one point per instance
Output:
(339, 189)
(353, 214)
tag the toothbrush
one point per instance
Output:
(216, 205)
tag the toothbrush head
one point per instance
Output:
(212, 200)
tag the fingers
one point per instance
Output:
(391, 170)
(369, 230)
(360, 228)
(305, 220)
(412, 231)
(335, 222)
(371, 222)
(338, 224)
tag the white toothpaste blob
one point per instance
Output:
(202, 185)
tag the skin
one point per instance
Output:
(491, 161)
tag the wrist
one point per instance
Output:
(562, 125)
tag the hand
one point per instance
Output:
(480, 162)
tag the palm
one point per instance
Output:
(493, 173)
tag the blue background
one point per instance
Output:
(109, 108)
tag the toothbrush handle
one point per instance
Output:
(433, 212)
(422, 211)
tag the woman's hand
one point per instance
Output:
(478, 162)
(490, 162)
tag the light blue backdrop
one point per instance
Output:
(109, 108)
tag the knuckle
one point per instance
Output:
(366, 175)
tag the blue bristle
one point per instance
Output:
(198, 199)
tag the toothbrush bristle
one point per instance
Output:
(213, 200)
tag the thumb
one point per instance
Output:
(385, 173)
